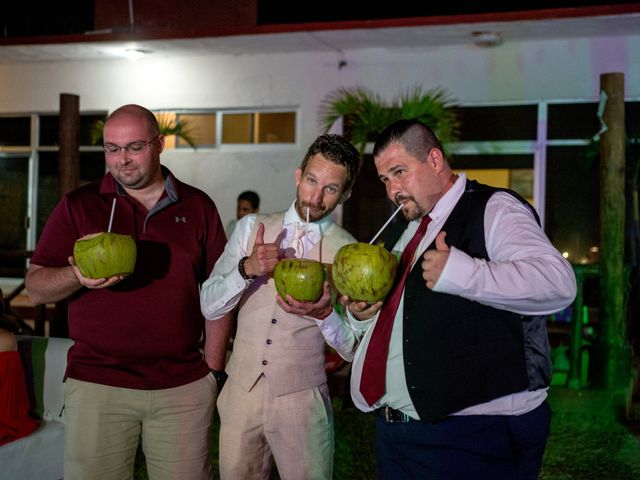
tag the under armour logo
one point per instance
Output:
(181, 219)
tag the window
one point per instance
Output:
(545, 152)
(497, 146)
(29, 177)
(212, 129)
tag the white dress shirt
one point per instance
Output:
(224, 288)
(525, 275)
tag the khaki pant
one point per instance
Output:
(103, 425)
(296, 429)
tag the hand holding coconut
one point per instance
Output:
(434, 261)
(320, 308)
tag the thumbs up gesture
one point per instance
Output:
(264, 256)
(433, 261)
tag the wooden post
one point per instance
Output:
(612, 353)
(69, 139)
(69, 177)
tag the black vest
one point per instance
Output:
(459, 353)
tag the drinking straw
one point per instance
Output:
(113, 209)
(385, 224)
(306, 234)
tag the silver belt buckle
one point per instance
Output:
(394, 416)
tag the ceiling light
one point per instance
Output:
(486, 39)
(134, 54)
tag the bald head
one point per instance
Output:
(136, 112)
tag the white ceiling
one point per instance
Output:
(332, 40)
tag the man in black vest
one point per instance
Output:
(456, 362)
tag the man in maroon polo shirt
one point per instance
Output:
(135, 367)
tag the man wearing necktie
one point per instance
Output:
(276, 404)
(455, 362)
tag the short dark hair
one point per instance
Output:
(336, 149)
(416, 137)
(252, 197)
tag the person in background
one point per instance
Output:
(276, 403)
(455, 361)
(248, 202)
(135, 369)
(15, 420)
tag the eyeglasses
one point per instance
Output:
(133, 147)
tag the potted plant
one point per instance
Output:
(365, 113)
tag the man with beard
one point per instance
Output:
(456, 362)
(275, 403)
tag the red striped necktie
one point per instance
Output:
(373, 380)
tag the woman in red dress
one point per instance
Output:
(15, 421)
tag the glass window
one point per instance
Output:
(237, 128)
(277, 127)
(14, 176)
(92, 167)
(573, 199)
(15, 131)
(512, 122)
(200, 127)
(572, 121)
(259, 127)
(50, 126)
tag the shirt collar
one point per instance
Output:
(172, 187)
(450, 198)
(291, 218)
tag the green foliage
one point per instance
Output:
(166, 122)
(366, 113)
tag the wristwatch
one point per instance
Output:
(243, 273)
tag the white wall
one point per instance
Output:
(548, 70)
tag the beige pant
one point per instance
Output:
(103, 425)
(297, 429)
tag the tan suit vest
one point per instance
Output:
(287, 349)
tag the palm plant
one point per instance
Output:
(167, 124)
(366, 113)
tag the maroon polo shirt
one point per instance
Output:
(143, 332)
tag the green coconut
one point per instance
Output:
(105, 254)
(299, 277)
(364, 272)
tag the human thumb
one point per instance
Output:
(260, 234)
(440, 243)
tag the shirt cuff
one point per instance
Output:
(359, 326)
(459, 268)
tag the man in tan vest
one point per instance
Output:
(276, 402)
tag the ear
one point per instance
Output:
(298, 176)
(161, 143)
(436, 158)
(345, 196)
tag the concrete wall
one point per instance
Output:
(547, 70)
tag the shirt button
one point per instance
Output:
(264, 362)
(413, 387)
(268, 341)
(273, 320)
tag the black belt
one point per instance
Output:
(393, 416)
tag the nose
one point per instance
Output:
(316, 196)
(393, 188)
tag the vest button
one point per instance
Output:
(273, 320)
(264, 362)
(412, 387)
(268, 341)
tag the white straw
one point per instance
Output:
(306, 234)
(113, 209)
(385, 224)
